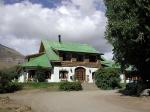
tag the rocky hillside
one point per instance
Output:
(9, 57)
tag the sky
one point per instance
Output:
(23, 23)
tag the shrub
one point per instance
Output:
(70, 86)
(135, 88)
(11, 87)
(6, 84)
(131, 89)
(107, 78)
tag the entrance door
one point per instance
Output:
(80, 74)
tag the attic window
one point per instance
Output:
(80, 58)
(66, 57)
(92, 59)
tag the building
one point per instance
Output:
(62, 61)
(129, 75)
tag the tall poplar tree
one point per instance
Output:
(128, 30)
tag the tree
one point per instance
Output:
(128, 30)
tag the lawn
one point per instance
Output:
(40, 85)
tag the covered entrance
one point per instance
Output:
(80, 74)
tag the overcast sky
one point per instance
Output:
(23, 23)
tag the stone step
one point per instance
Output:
(89, 86)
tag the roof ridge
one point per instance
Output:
(49, 40)
(69, 46)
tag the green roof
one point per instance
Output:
(50, 46)
(49, 51)
(41, 61)
(110, 64)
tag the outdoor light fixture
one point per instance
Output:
(90, 70)
(71, 70)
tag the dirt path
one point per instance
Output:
(84, 101)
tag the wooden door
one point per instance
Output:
(80, 74)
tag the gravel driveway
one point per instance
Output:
(82, 101)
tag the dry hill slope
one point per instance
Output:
(9, 57)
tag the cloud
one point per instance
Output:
(24, 24)
(108, 55)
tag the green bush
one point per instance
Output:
(11, 87)
(107, 78)
(131, 89)
(6, 84)
(135, 88)
(70, 86)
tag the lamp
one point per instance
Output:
(90, 70)
(71, 70)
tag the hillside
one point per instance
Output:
(9, 57)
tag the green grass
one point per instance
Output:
(123, 85)
(41, 85)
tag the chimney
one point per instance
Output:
(59, 37)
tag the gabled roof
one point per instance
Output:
(51, 46)
(44, 58)
(49, 51)
(41, 61)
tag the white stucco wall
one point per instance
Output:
(71, 72)
(55, 74)
(122, 77)
(23, 77)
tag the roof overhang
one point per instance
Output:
(34, 55)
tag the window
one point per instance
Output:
(48, 75)
(66, 57)
(92, 59)
(93, 75)
(63, 74)
(31, 75)
(80, 58)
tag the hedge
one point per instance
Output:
(70, 86)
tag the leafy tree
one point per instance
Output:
(128, 30)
